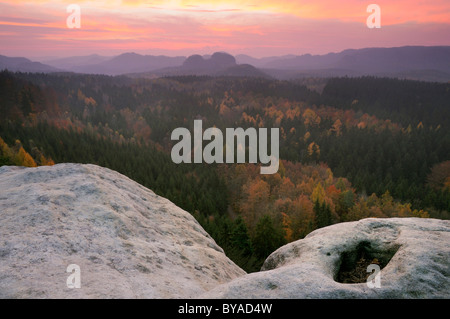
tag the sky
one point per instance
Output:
(258, 28)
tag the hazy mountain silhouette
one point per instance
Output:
(408, 61)
(130, 63)
(19, 64)
(260, 62)
(219, 64)
(218, 60)
(75, 62)
(411, 62)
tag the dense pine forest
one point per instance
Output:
(350, 148)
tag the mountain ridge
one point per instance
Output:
(21, 64)
(428, 63)
(218, 64)
(391, 62)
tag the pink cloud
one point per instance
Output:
(258, 28)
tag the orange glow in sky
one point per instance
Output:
(177, 27)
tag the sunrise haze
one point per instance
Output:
(258, 28)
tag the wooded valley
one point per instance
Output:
(350, 148)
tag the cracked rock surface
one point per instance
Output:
(414, 257)
(131, 243)
(127, 241)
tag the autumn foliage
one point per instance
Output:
(351, 148)
(300, 198)
(17, 156)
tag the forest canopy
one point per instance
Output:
(356, 148)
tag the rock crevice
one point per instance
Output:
(413, 256)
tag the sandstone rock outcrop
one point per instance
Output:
(413, 255)
(127, 241)
(131, 243)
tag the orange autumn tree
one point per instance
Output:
(314, 151)
(289, 197)
(310, 118)
(256, 200)
(18, 156)
(22, 158)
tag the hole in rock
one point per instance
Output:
(354, 263)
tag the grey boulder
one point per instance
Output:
(412, 254)
(127, 241)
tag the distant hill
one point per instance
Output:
(121, 64)
(219, 64)
(217, 61)
(372, 60)
(19, 64)
(415, 62)
(409, 62)
(260, 62)
(77, 62)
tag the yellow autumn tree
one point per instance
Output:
(22, 158)
(46, 161)
(314, 151)
(16, 155)
(318, 194)
(306, 136)
(310, 118)
(404, 210)
(336, 127)
(5, 151)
